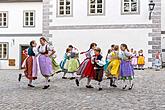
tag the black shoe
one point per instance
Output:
(30, 85)
(64, 77)
(77, 82)
(130, 88)
(124, 87)
(100, 89)
(72, 78)
(142, 68)
(89, 86)
(46, 87)
(48, 80)
(114, 85)
(19, 78)
(111, 82)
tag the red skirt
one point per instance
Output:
(29, 69)
(88, 71)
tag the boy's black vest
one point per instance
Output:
(98, 58)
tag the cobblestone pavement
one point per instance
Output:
(148, 94)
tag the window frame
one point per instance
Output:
(130, 12)
(58, 9)
(6, 19)
(7, 50)
(34, 17)
(96, 14)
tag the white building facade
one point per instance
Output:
(106, 22)
(20, 22)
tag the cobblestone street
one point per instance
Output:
(148, 94)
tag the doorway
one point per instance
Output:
(23, 54)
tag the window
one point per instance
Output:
(64, 8)
(29, 18)
(95, 7)
(3, 19)
(4, 50)
(130, 6)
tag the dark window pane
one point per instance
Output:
(26, 23)
(126, 0)
(134, 7)
(99, 10)
(4, 23)
(99, 6)
(31, 23)
(67, 2)
(0, 14)
(92, 1)
(61, 12)
(31, 14)
(92, 6)
(99, 1)
(4, 14)
(126, 7)
(67, 12)
(92, 11)
(26, 14)
(67, 7)
(61, 3)
(61, 7)
(31, 18)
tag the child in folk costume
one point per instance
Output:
(126, 69)
(55, 66)
(73, 65)
(86, 68)
(157, 61)
(65, 61)
(98, 62)
(108, 58)
(45, 62)
(134, 60)
(114, 66)
(141, 60)
(31, 65)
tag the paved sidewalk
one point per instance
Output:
(148, 94)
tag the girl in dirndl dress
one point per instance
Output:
(86, 68)
(126, 69)
(157, 61)
(141, 60)
(45, 62)
(31, 65)
(64, 62)
(134, 60)
(114, 66)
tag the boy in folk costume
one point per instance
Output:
(86, 68)
(98, 62)
(157, 61)
(134, 60)
(114, 66)
(31, 65)
(126, 69)
(141, 60)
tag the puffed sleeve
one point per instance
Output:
(35, 50)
